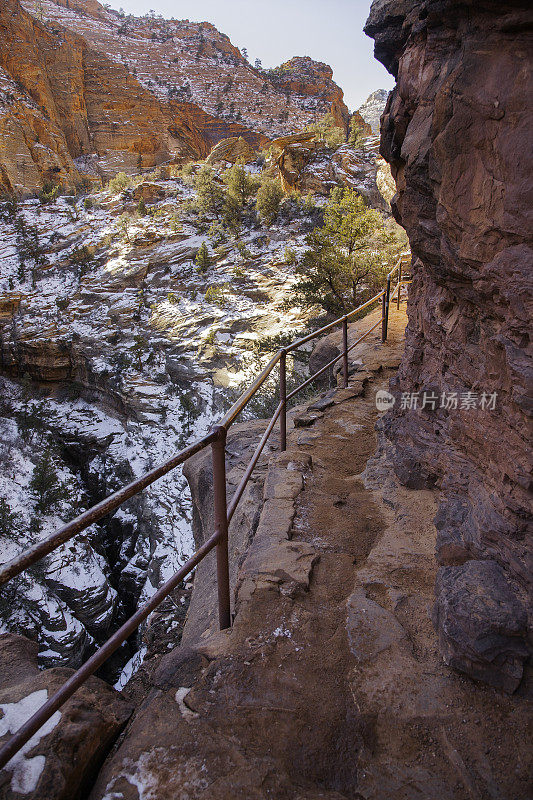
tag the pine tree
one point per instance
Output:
(356, 136)
(140, 346)
(232, 213)
(348, 257)
(8, 520)
(209, 195)
(240, 184)
(45, 484)
(123, 225)
(202, 258)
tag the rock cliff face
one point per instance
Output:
(373, 108)
(455, 132)
(89, 92)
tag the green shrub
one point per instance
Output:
(46, 486)
(356, 136)
(289, 256)
(9, 526)
(217, 234)
(232, 214)
(123, 226)
(241, 185)
(83, 258)
(328, 132)
(243, 251)
(217, 295)
(268, 200)
(209, 194)
(49, 193)
(119, 183)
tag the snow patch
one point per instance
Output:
(26, 771)
(180, 696)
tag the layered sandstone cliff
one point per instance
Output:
(86, 91)
(456, 133)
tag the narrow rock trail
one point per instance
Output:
(329, 685)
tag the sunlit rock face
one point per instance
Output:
(86, 93)
(456, 131)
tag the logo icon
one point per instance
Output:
(384, 400)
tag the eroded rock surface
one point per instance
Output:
(61, 759)
(455, 131)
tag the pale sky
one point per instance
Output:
(276, 30)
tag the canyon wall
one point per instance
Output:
(456, 131)
(86, 92)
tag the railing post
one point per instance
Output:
(221, 524)
(283, 399)
(345, 351)
(383, 319)
(399, 286)
(385, 311)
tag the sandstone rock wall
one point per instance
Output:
(65, 104)
(456, 131)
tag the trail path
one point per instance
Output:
(330, 684)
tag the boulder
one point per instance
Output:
(60, 761)
(481, 623)
(148, 191)
(18, 658)
(233, 149)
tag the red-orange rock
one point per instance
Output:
(304, 76)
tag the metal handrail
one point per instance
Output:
(223, 511)
(18, 564)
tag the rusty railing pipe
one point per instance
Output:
(385, 311)
(221, 525)
(399, 286)
(24, 733)
(283, 400)
(21, 562)
(238, 406)
(345, 351)
(369, 331)
(366, 305)
(232, 505)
